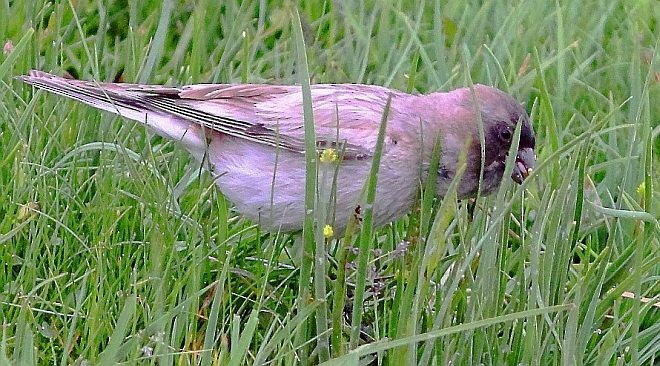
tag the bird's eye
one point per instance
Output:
(505, 134)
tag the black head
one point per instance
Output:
(500, 114)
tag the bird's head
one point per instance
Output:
(500, 114)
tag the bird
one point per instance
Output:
(251, 139)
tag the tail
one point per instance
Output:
(113, 98)
(126, 100)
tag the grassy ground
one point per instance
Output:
(115, 248)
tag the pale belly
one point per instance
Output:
(268, 185)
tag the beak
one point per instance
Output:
(525, 163)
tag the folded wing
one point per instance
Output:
(346, 116)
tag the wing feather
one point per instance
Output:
(346, 116)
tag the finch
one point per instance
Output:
(251, 137)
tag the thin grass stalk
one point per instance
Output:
(366, 235)
(310, 247)
(416, 288)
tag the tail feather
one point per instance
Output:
(97, 96)
(119, 99)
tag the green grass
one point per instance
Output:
(116, 247)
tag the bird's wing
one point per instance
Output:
(346, 117)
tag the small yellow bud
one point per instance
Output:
(328, 232)
(328, 156)
(641, 189)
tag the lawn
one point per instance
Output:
(115, 247)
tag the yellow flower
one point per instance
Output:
(328, 232)
(328, 155)
(641, 189)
